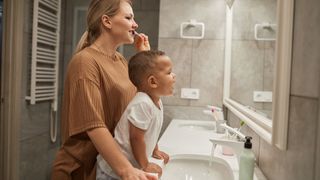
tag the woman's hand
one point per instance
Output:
(136, 174)
(141, 42)
(160, 155)
(110, 151)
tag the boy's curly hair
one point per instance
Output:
(142, 64)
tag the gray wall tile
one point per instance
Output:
(298, 161)
(210, 12)
(197, 63)
(36, 155)
(247, 13)
(246, 71)
(306, 54)
(207, 71)
(180, 52)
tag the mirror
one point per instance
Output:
(257, 66)
(252, 54)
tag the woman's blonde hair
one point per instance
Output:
(96, 9)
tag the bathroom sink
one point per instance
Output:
(210, 126)
(196, 167)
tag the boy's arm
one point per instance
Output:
(138, 145)
(160, 155)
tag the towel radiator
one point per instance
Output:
(45, 57)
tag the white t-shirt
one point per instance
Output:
(143, 114)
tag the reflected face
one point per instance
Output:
(123, 24)
(165, 77)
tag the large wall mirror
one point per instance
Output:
(258, 65)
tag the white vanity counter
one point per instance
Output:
(192, 137)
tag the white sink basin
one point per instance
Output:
(196, 167)
(207, 126)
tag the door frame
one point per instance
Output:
(11, 99)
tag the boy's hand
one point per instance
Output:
(141, 42)
(153, 168)
(161, 155)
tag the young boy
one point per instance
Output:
(138, 130)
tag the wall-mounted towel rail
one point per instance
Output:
(194, 24)
(263, 26)
(45, 57)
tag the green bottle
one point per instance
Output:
(246, 166)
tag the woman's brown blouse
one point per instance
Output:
(96, 92)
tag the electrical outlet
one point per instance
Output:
(190, 93)
(262, 96)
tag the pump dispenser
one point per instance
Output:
(246, 166)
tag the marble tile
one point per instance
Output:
(35, 119)
(247, 13)
(297, 162)
(36, 157)
(207, 71)
(268, 73)
(247, 71)
(180, 52)
(268, 70)
(210, 12)
(306, 54)
(272, 162)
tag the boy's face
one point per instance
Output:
(164, 76)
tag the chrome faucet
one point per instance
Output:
(235, 143)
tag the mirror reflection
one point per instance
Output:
(252, 54)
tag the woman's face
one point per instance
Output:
(123, 24)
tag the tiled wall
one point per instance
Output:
(36, 150)
(197, 63)
(302, 158)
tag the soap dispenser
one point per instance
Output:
(246, 166)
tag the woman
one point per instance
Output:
(97, 90)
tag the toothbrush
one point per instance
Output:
(214, 113)
(135, 33)
(215, 108)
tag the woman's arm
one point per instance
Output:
(110, 151)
